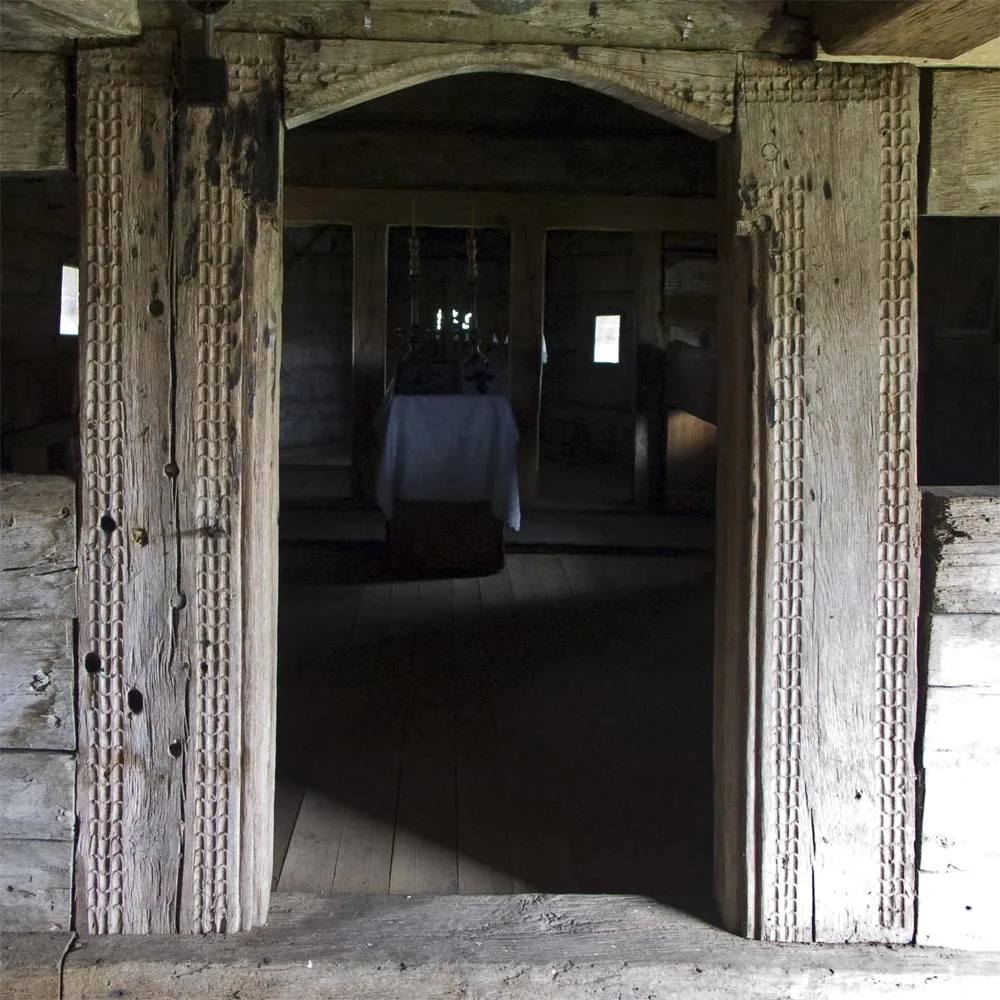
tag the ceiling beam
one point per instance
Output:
(704, 25)
(936, 29)
(32, 24)
(33, 99)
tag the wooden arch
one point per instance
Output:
(691, 89)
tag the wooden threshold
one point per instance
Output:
(313, 206)
(514, 947)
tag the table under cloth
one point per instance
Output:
(458, 449)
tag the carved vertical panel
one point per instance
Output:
(786, 909)
(228, 270)
(898, 563)
(130, 693)
(826, 178)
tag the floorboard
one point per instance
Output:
(546, 728)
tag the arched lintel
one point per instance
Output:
(691, 89)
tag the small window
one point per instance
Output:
(69, 315)
(606, 333)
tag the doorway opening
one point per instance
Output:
(547, 727)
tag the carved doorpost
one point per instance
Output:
(826, 186)
(182, 291)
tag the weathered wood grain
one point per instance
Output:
(962, 536)
(725, 25)
(524, 948)
(962, 651)
(33, 98)
(37, 522)
(964, 138)
(319, 206)
(37, 878)
(228, 272)
(21, 21)
(37, 681)
(131, 685)
(741, 559)
(31, 965)
(37, 793)
(693, 89)
(369, 340)
(30, 593)
(262, 310)
(527, 318)
(837, 692)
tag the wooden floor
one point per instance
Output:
(547, 728)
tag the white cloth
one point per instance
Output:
(450, 448)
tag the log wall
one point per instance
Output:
(37, 714)
(957, 905)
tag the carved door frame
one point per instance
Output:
(178, 544)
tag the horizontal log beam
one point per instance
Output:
(715, 25)
(963, 142)
(524, 948)
(939, 29)
(319, 206)
(33, 97)
(25, 23)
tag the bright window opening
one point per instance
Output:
(69, 314)
(607, 330)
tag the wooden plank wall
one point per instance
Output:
(957, 905)
(37, 716)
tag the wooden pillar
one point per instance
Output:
(527, 321)
(182, 264)
(370, 273)
(132, 681)
(827, 189)
(647, 290)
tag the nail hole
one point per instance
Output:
(178, 601)
(171, 470)
(175, 749)
(134, 701)
(204, 668)
(857, 796)
(156, 308)
(108, 524)
(92, 663)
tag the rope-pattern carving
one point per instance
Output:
(104, 557)
(210, 852)
(782, 914)
(895, 606)
(775, 81)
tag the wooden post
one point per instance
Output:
(227, 269)
(527, 319)
(370, 271)
(827, 186)
(131, 682)
(647, 278)
(178, 556)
